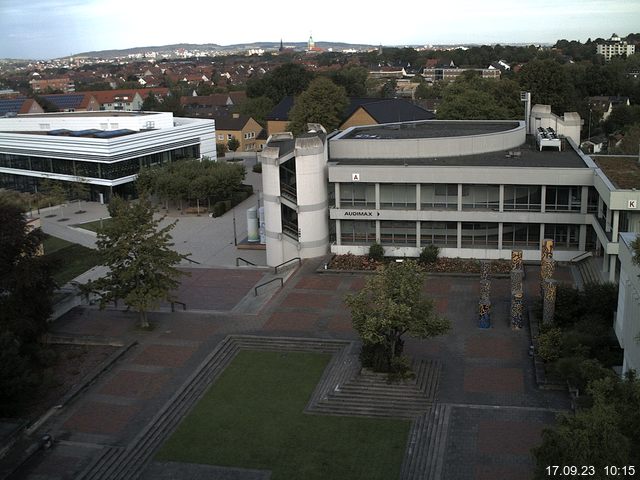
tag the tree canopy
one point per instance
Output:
(549, 84)
(26, 290)
(287, 79)
(392, 304)
(323, 102)
(142, 265)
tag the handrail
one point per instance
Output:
(255, 290)
(192, 261)
(245, 261)
(173, 307)
(275, 269)
(582, 256)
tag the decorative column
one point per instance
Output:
(517, 290)
(517, 309)
(549, 301)
(484, 305)
(547, 265)
(516, 259)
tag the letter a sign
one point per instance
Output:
(355, 177)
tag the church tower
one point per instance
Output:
(311, 45)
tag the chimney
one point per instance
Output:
(236, 115)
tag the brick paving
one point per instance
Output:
(487, 376)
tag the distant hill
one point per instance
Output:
(215, 47)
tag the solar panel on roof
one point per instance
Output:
(85, 133)
(65, 101)
(12, 105)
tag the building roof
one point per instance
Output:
(13, 106)
(528, 156)
(231, 122)
(624, 172)
(64, 101)
(430, 129)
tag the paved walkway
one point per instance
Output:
(487, 381)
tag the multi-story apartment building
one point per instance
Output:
(43, 85)
(449, 74)
(103, 149)
(615, 47)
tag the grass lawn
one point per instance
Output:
(93, 226)
(69, 259)
(252, 418)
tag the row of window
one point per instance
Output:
(109, 171)
(445, 234)
(474, 197)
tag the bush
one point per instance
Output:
(219, 208)
(550, 344)
(376, 252)
(429, 254)
(257, 167)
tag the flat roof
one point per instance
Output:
(623, 171)
(526, 155)
(100, 113)
(429, 129)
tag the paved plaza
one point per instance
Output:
(493, 411)
(496, 412)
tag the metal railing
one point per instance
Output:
(275, 269)
(239, 259)
(192, 261)
(173, 305)
(255, 290)
(580, 257)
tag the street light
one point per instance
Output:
(589, 137)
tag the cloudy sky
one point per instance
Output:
(42, 29)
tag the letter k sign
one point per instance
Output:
(632, 204)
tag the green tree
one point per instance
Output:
(221, 149)
(323, 102)
(142, 265)
(548, 83)
(233, 144)
(354, 80)
(257, 108)
(391, 305)
(79, 190)
(287, 79)
(26, 290)
(630, 144)
(151, 103)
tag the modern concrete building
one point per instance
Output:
(104, 149)
(476, 189)
(627, 319)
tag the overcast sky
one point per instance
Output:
(42, 29)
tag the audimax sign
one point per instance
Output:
(361, 213)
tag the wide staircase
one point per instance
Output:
(589, 269)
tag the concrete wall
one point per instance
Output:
(568, 125)
(85, 121)
(627, 319)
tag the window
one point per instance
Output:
(401, 196)
(357, 195)
(564, 236)
(229, 136)
(520, 235)
(220, 137)
(441, 196)
(442, 234)
(563, 199)
(394, 232)
(522, 198)
(357, 232)
(480, 197)
(481, 235)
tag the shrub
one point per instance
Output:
(219, 208)
(550, 344)
(429, 254)
(257, 167)
(376, 252)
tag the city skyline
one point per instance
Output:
(44, 29)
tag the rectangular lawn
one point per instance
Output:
(69, 259)
(252, 417)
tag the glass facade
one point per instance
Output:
(563, 199)
(521, 235)
(357, 232)
(479, 235)
(523, 198)
(480, 197)
(103, 170)
(401, 196)
(442, 234)
(442, 196)
(358, 195)
(564, 236)
(398, 232)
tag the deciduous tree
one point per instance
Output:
(391, 305)
(323, 102)
(142, 265)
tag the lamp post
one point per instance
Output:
(235, 238)
(589, 137)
